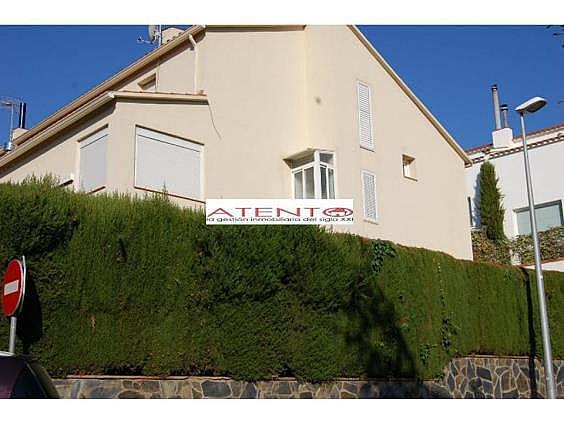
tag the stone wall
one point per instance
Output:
(468, 377)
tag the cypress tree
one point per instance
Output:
(491, 209)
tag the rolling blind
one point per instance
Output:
(92, 169)
(369, 196)
(163, 162)
(365, 116)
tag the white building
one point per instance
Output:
(546, 156)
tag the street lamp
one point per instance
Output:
(531, 106)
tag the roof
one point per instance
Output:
(517, 139)
(101, 90)
(89, 107)
(110, 83)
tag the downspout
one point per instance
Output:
(196, 54)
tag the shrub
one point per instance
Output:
(551, 244)
(491, 210)
(126, 286)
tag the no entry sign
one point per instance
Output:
(13, 287)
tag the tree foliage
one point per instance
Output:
(491, 209)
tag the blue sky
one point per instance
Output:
(450, 68)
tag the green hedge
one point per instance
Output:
(122, 286)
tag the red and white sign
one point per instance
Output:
(279, 212)
(13, 287)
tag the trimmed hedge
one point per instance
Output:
(125, 286)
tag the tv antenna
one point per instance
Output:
(154, 33)
(12, 103)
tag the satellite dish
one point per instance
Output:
(154, 32)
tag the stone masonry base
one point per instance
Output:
(467, 377)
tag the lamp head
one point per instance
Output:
(531, 106)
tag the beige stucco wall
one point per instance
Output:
(273, 93)
(430, 212)
(59, 156)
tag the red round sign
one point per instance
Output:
(13, 287)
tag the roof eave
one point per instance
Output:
(109, 83)
(90, 107)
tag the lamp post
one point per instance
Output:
(531, 106)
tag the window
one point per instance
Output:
(548, 215)
(409, 170)
(313, 175)
(164, 162)
(92, 170)
(149, 84)
(369, 196)
(365, 116)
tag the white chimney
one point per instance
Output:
(501, 137)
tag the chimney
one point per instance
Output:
(502, 138)
(23, 108)
(504, 110)
(170, 33)
(496, 107)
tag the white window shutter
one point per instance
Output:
(163, 162)
(369, 196)
(92, 172)
(365, 116)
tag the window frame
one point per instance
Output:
(525, 209)
(370, 147)
(146, 83)
(316, 164)
(85, 141)
(375, 220)
(200, 150)
(409, 163)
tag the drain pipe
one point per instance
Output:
(196, 54)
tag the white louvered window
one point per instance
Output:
(365, 116)
(369, 196)
(167, 163)
(92, 168)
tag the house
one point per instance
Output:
(262, 112)
(505, 152)
(546, 154)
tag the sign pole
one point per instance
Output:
(12, 340)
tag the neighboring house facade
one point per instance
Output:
(546, 158)
(262, 112)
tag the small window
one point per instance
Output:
(369, 196)
(92, 172)
(365, 116)
(313, 176)
(167, 163)
(548, 215)
(149, 84)
(408, 164)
